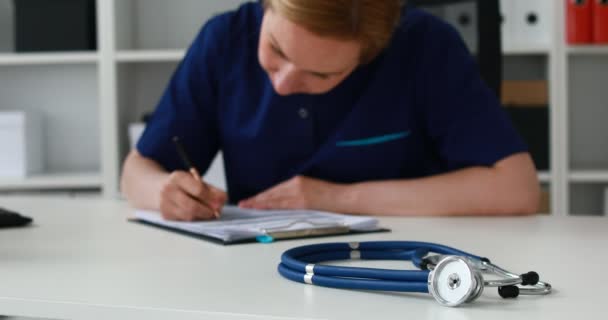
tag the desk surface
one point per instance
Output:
(82, 260)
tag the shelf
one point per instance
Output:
(525, 50)
(544, 176)
(52, 181)
(589, 176)
(150, 56)
(18, 59)
(588, 50)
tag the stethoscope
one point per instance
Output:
(451, 276)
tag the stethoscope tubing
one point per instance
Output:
(298, 259)
(357, 284)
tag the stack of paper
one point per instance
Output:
(238, 224)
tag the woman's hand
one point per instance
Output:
(297, 193)
(185, 198)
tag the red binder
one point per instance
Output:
(579, 21)
(600, 21)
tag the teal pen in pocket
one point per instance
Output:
(373, 140)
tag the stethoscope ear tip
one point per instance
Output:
(530, 279)
(508, 292)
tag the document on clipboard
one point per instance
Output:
(238, 225)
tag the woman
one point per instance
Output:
(352, 106)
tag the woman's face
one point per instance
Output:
(298, 61)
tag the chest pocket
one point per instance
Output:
(376, 140)
(373, 157)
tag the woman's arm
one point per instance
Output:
(142, 181)
(510, 187)
(178, 195)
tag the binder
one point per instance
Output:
(527, 93)
(600, 21)
(508, 16)
(532, 22)
(58, 25)
(463, 17)
(579, 21)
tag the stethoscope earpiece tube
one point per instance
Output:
(451, 276)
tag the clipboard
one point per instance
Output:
(303, 234)
(235, 218)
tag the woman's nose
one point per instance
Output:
(286, 81)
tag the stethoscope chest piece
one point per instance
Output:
(455, 281)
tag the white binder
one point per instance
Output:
(463, 16)
(532, 23)
(508, 16)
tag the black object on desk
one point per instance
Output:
(10, 219)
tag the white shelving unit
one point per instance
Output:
(61, 87)
(140, 42)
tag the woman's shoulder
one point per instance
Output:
(418, 27)
(237, 25)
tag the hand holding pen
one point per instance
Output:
(186, 197)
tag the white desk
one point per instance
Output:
(82, 260)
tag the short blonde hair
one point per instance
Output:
(371, 22)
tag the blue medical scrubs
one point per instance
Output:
(419, 109)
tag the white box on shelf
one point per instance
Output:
(531, 23)
(21, 144)
(136, 129)
(7, 26)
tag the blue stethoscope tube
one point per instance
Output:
(294, 264)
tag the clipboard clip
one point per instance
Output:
(316, 229)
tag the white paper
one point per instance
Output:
(239, 224)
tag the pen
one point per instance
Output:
(181, 151)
